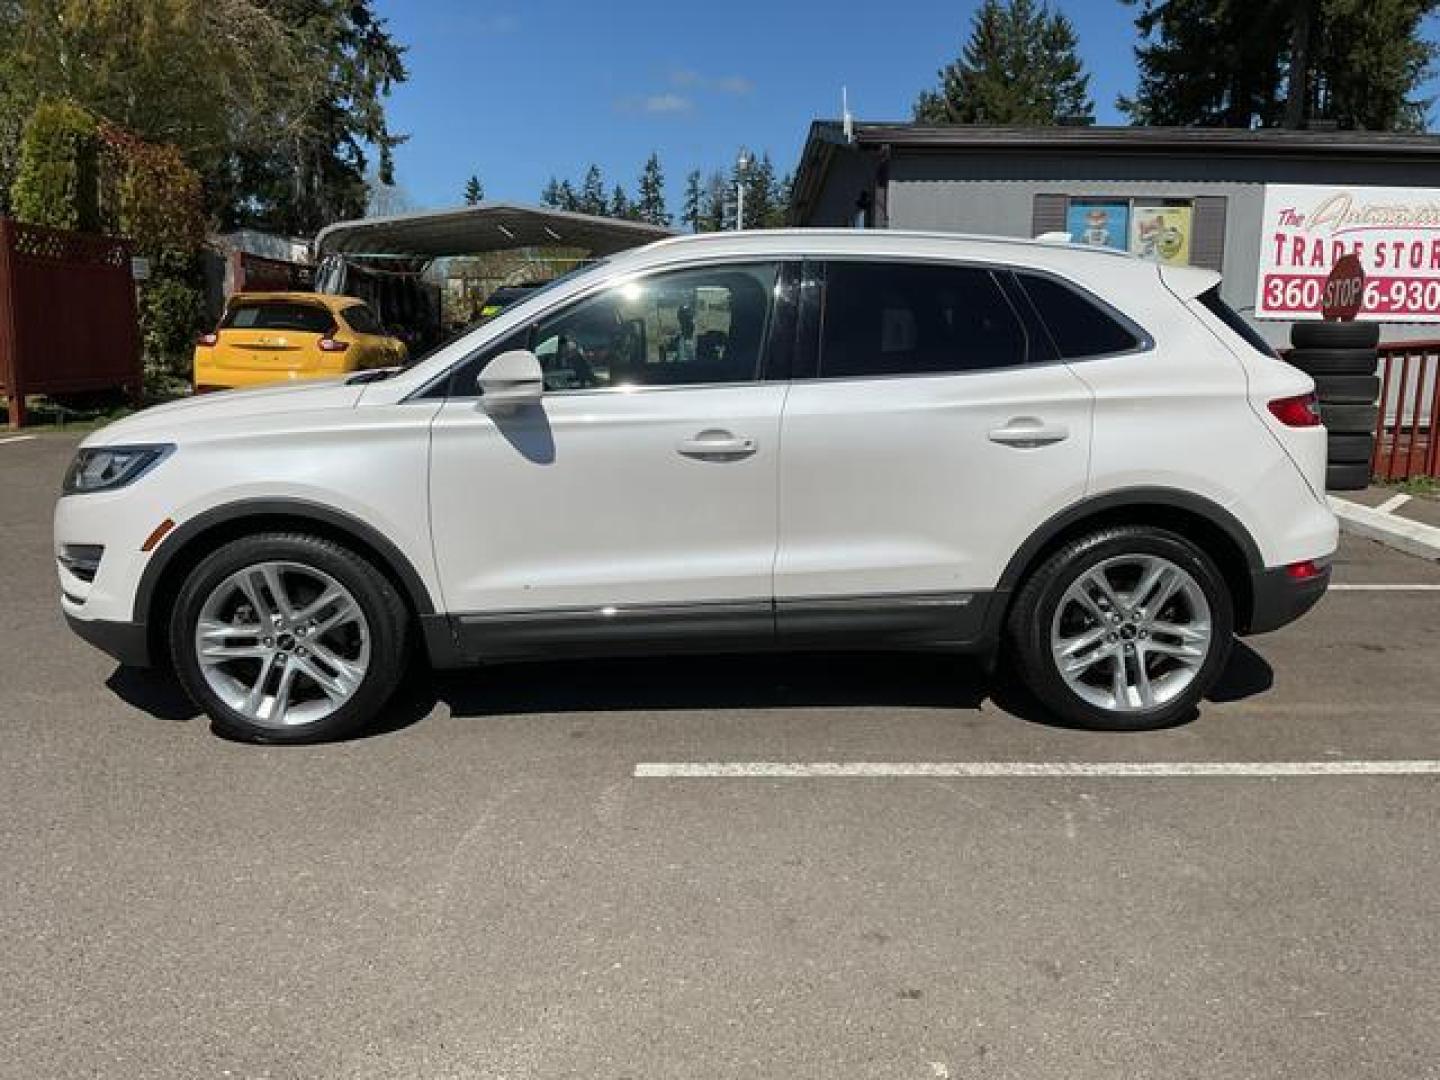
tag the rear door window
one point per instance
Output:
(1079, 325)
(279, 315)
(893, 318)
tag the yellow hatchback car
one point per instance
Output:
(275, 337)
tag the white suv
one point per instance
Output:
(1078, 461)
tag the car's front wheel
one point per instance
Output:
(1124, 629)
(287, 637)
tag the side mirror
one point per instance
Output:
(513, 379)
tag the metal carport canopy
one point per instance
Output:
(475, 230)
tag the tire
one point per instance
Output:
(1348, 389)
(1046, 614)
(1350, 449)
(1349, 419)
(1335, 335)
(336, 669)
(1334, 361)
(1347, 476)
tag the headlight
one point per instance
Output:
(104, 468)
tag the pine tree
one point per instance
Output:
(690, 213)
(717, 213)
(474, 191)
(1020, 66)
(592, 193)
(650, 204)
(566, 198)
(550, 194)
(1209, 63)
(1358, 65)
(620, 205)
(786, 193)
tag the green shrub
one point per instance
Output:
(57, 179)
(172, 314)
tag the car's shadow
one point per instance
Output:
(765, 681)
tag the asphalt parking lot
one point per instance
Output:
(487, 889)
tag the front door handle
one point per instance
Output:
(1026, 432)
(715, 443)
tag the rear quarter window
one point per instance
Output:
(362, 320)
(271, 315)
(1215, 304)
(1079, 325)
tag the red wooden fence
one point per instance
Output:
(1405, 437)
(67, 314)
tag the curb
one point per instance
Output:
(1411, 537)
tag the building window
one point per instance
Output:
(1160, 230)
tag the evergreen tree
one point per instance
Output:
(1020, 66)
(474, 191)
(550, 194)
(566, 197)
(1273, 62)
(786, 193)
(650, 203)
(690, 213)
(592, 192)
(620, 205)
(1209, 63)
(717, 212)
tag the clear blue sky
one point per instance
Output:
(517, 92)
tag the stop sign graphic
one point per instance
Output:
(1344, 290)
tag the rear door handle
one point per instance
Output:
(1026, 432)
(716, 444)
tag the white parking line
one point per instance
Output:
(16, 438)
(810, 770)
(1384, 587)
(1390, 505)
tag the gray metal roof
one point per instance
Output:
(1276, 142)
(827, 138)
(475, 230)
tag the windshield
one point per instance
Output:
(542, 290)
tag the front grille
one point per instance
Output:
(82, 560)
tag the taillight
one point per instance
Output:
(1303, 570)
(1303, 410)
(329, 344)
(207, 341)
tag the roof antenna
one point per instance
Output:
(847, 120)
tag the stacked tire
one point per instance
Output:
(1341, 358)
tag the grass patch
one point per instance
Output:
(1426, 487)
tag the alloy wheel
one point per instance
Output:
(1131, 633)
(283, 644)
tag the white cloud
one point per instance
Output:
(665, 103)
(734, 84)
(656, 104)
(725, 84)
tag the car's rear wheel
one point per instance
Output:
(288, 638)
(1123, 629)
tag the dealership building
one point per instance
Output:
(1270, 210)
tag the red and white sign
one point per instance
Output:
(1344, 290)
(1393, 233)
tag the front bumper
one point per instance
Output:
(127, 642)
(1277, 599)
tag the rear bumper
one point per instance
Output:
(127, 642)
(1277, 599)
